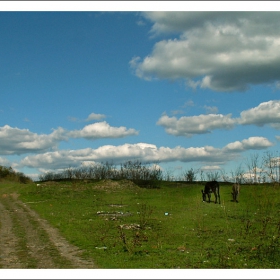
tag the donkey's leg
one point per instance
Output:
(215, 197)
(209, 197)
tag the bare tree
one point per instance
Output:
(190, 175)
(224, 176)
(253, 167)
(202, 178)
(237, 174)
(271, 167)
(168, 176)
(213, 176)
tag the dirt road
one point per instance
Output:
(27, 241)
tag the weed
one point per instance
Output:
(132, 236)
(145, 213)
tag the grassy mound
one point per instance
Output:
(110, 185)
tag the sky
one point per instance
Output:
(189, 89)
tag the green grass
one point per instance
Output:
(169, 227)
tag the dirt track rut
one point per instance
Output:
(27, 241)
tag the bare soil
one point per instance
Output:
(27, 241)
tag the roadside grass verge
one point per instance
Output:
(120, 225)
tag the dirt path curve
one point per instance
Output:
(27, 241)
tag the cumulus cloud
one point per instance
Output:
(93, 117)
(170, 22)
(64, 158)
(210, 167)
(223, 51)
(102, 130)
(20, 141)
(144, 152)
(252, 143)
(188, 126)
(264, 113)
(117, 154)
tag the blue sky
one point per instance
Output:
(181, 89)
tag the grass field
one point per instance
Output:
(120, 225)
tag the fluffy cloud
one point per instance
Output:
(102, 130)
(170, 22)
(144, 152)
(93, 117)
(223, 51)
(188, 126)
(20, 141)
(64, 158)
(252, 143)
(265, 113)
(117, 154)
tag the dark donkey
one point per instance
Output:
(210, 187)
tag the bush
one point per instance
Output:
(141, 174)
(7, 173)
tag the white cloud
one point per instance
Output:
(264, 113)
(210, 167)
(188, 126)
(252, 143)
(102, 130)
(91, 117)
(144, 152)
(65, 158)
(118, 154)
(94, 116)
(211, 109)
(20, 141)
(192, 84)
(169, 22)
(223, 51)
